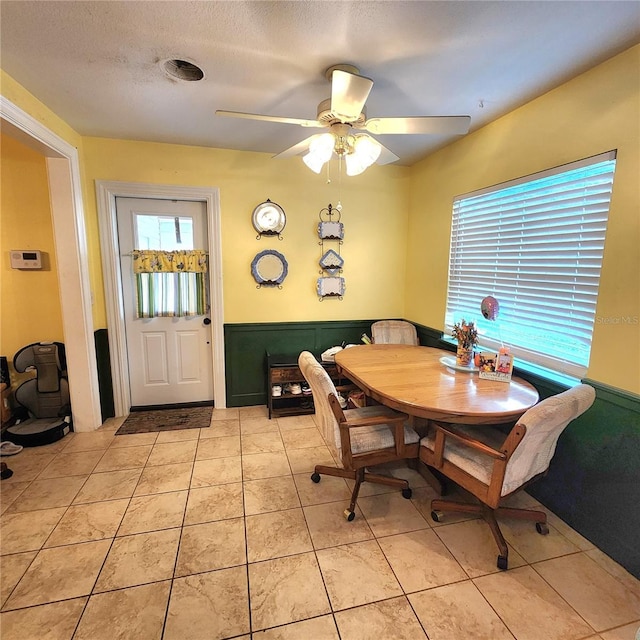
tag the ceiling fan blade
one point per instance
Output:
(420, 124)
(386, 156)
(256, 116)
(349, 92)
(297, 148)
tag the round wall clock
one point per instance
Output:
(268, 219)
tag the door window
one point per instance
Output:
(163, 291)
(167, 233)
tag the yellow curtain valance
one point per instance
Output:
(152, 261)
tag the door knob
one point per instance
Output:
(207, 321)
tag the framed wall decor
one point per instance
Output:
(269, 268)
(330, 287)
(268, 219)
(331, 262)
(331, 232)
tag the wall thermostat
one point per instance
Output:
(25, 259)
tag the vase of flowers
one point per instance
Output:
(467, 335)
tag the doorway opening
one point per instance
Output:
(108, 194)
(67, 213)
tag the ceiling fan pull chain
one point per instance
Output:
(339, 205)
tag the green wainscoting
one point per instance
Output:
(246, 346)
(428, 337)
(105, 384)
(593, 482)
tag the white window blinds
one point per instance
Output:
(535, 244)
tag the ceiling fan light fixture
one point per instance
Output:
(365, 152)
(359, 151)
(313, 161)
(320, 151)
(355, 166)
(367, 148)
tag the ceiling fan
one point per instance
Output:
(344, 115)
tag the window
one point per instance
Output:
(170, 273)
(163, 232)
(535, 244)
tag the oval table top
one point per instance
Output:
(413, 380)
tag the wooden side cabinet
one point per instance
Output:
(283, 371)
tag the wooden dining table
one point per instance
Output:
(415, 381)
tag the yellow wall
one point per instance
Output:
(595, 112)
(26, 101)
(397, 219)
(30, 300)
(375, 211)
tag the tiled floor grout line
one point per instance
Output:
(113, 539)
(504, 622)
(182, 525)
(375, 538)
(43, 545)
(560, 596)
(315, 555)
(404, 593)
(314, 549)
(469, 577)
(246, 539)
(291, 475)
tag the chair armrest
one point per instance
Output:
(371, 416)
(367, 417)
(370, 421)
(448, 430)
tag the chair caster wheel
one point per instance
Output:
(315, 477)
(349, 515)
(407, 493)
(437, 516)
(502, 563)
(542, 528)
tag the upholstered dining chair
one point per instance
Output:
(394, 332)
(359, 438)
(492, 465)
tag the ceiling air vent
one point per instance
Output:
(182, 70)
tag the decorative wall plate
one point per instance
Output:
(331, 262)
(269, 219)
(330, 287)
(269, 268)
(330, 230)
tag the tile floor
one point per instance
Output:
(220, 533)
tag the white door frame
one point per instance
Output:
(67, 214)
(106, 193)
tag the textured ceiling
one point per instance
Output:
(97, 64)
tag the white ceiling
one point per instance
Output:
(97, 64)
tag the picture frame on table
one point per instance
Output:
(495, 366)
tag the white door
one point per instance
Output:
(169, 357)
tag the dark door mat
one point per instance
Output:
(166, 420)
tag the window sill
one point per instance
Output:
(522, 366)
